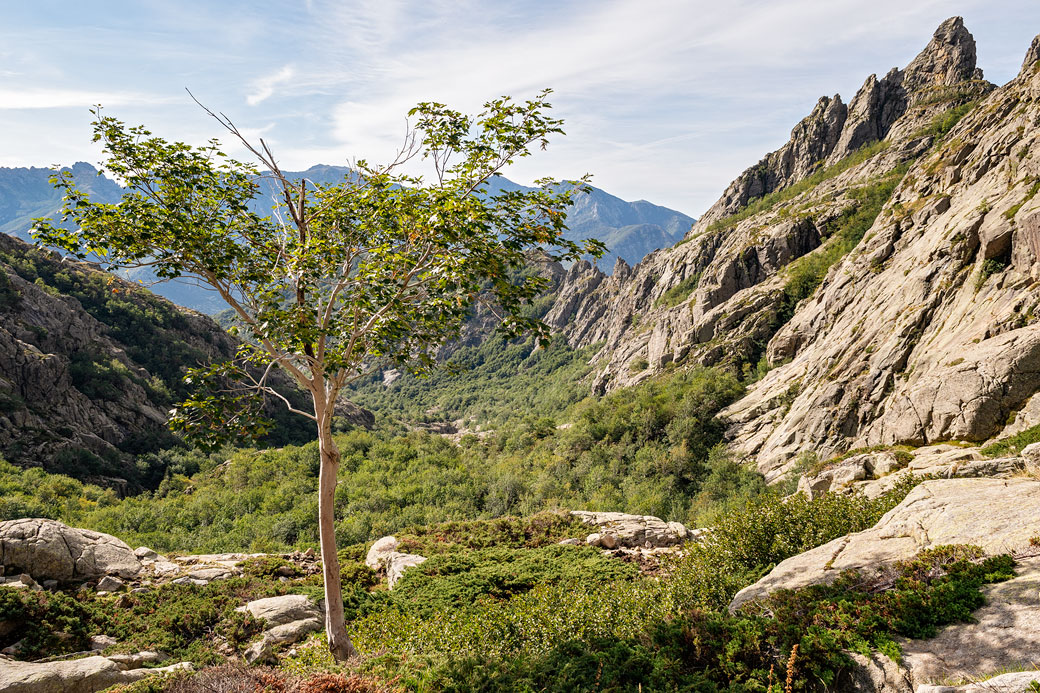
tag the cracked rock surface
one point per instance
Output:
(999, 515)
(49, 550)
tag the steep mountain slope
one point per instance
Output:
(630, 229)
(928, 332)
(721, 293)
(89, 366)
(895, 274)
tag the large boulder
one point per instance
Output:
(633, 530)
(997, 514)
(290, 618)
(1004, 635)
(278, 610)
(46, 550)
(85, 675)
(384, 556)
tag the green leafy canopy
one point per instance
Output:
(339, 279)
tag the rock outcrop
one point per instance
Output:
(874, 473)
(1004, 636)
(48, 550)
(999, 515)
(384, 557)
(85, 675)
(289, 619)
(926, 332)
(632, 531)
(722, 295)
(833, 130)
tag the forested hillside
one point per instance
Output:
(90, 365)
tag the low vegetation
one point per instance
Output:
(1012, 445)
(773, 199)
(678, 293)
(840, 236)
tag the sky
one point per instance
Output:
(664, 100)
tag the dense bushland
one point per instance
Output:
(647, 450)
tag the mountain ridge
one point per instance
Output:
(630, 229)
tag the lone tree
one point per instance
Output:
(338, 280)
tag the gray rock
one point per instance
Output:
(954, 511)
(606, 541)
(85, 675)
(876, 673)
(110, 584)
(210, 574)
(101, 642)
(1032, 55)
(291, 632)
(278, 610)
(134, 661)
(46, 549)
(397, 563)
(165, 568)
(290, 618)
(382, 548)
(632, 530)
(1012, 682)
(144, 552)
(20, 581)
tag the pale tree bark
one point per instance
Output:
(335, 626)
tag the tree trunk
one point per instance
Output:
(335, 626)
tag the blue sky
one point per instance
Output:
(664, 101)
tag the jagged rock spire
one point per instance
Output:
(948, 58)
(1032, 55)
(833, 130)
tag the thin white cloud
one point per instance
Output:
(666, 101)
(263, 88)
(34, 99)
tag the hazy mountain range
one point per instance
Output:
(630, 230)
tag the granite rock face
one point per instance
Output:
(721, 295)
(999, 515)
(833, 130)
(46, 549)
(927, 331)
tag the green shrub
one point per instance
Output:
(458, 581)
(45, 622)
(270, 566)
(1013, 445)
(678, 293)
(621, 638)
(357, 574)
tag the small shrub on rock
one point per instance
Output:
(270, 566)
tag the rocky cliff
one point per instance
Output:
(89, 366)
(881, 263)
(927, 332)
